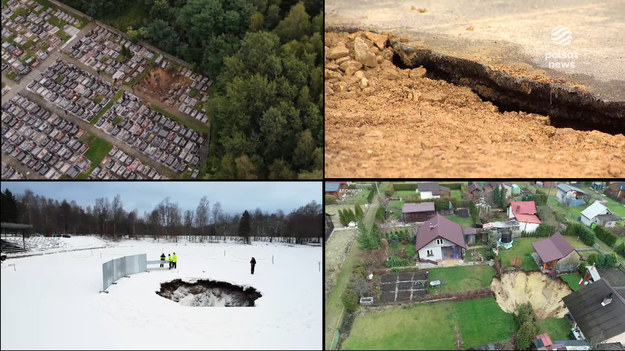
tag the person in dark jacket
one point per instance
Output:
(253, 263)
(162, 259)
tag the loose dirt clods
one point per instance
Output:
(416, 126)
(543, 293)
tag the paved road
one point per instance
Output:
(517, 34)
(101, 134)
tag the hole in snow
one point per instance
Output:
(211, 293)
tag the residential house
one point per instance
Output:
(329, 225)
(417, 212)
(335, 189)
(598, 214)
(524, 212)
(598, 312)
(475, 191)
(440, 239)
(570, 195)
(546, 184)
(432, 190)
(556, 254)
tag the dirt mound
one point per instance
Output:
(543, 293)
(383, 121)
(159, 81)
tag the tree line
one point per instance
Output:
(110, 219)
(265, 57)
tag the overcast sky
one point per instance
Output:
(235, 197)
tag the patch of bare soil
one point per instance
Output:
(544, 294)
(383, 121)
(159, 82)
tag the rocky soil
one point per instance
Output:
(382, 121)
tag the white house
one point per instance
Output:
(598, 214)
(440, 239)
(524, 212)
(431, 190)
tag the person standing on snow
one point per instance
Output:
(253, 263)
(162, 259)
(175, 260)
(170, 261)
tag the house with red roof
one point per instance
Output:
(440, 239)
(524, 212)
(556, 254)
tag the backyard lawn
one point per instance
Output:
(573, 280)
(462, 278)
(557, 328)
(468, 257)
(396, 206)
(465, 222)
(431, 326)
(405, 193)
(457, 194)
(522, 247)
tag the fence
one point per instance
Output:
(115, 269)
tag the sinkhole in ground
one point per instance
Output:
(208, 293)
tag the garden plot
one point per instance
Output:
(101, 50)
(159, 137)
(177, 87)
(544, 294)
(41, 140)
(73, 89)
(119, 165)
(403, 286)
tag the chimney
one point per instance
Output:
(518, 207)
(606, 300)
(431, 226)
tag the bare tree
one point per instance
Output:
(117, 209)
(102, 210)
(217, 214)
(201, 215)
(188, 222)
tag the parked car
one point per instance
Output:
(67, 236)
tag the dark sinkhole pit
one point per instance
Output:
(208, 293)
(566, 107)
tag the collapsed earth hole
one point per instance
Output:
(208, 293)
(567, 107)
(543, 293)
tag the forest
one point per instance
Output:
(109, 218)
(265, 56)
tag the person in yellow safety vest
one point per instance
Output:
(175, 260)
(169, 258)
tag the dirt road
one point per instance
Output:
(382, 121)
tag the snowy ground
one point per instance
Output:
(53, 301)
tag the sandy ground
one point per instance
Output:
(382, 121)
(543, 293)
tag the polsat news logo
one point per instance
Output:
(561, 36)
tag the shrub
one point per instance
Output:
(545, 230)
(404, 186)
(540, 199)
(330, 200)
(350, 299)
(605, 235)
(620, 249)
(592, 259)
(395, 261)
(452, 186)
(526, 333)
(358, 212)
(380, 214)
(581, 231)
(371, 195)
(581, 269)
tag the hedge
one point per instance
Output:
(404, 186)
(439, 204)
(452, 186)
(371, 194)
(605, 235)
(620, 249)
(579, 230)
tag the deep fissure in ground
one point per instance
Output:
(209, 293)
(566, 107)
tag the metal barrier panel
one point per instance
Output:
(120, 268)
(136, 264)
(107, 274)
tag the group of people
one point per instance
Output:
(173, 260)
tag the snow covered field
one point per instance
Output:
(53, 301)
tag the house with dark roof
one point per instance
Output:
(432, 190)
(475, 191)
(570, 196)
(417, 212)
(524, 212)
(598, 214)
(599, 312)
(336, 189)
(556, 254)
(440, 239)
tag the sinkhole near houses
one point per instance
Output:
(208, 293)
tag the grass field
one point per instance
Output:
(465, 222)
(557, 328)
(98, 149)
(462, 278)
(468, 257)
(522, 247)
(107, 106)
(431, 326)
(405, 193)
(457, 194)
(396, 206)
(573, 280)
(360, 197)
